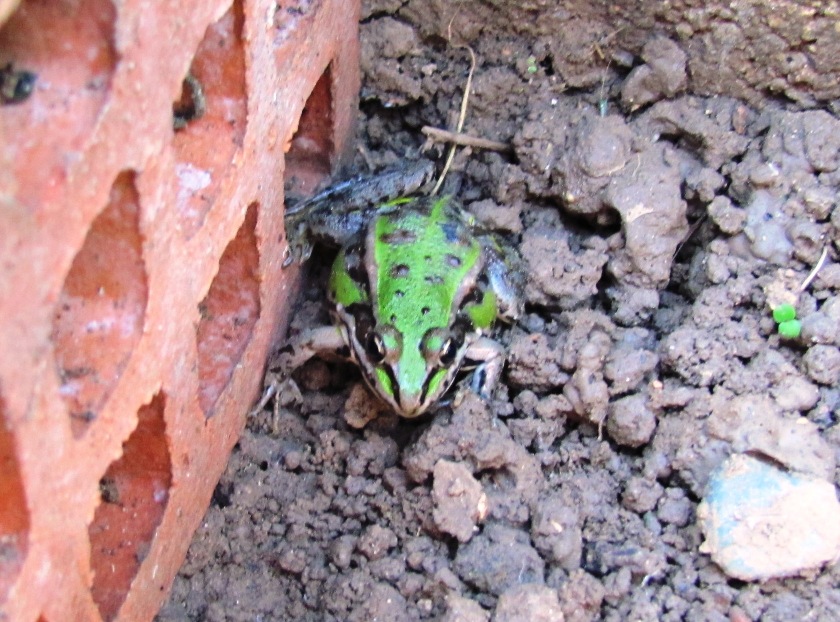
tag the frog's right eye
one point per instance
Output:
(375, 347)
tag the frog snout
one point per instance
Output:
(411, 404)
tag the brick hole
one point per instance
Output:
(14, 515)
(228, 313)
(205, 146)
(99, 316)
(69, 44)
(134, 492)
(310, 153)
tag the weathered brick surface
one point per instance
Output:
(140, 280)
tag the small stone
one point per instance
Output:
(761, 522)
(764, 175)
(498, 217)
(556, 532)
(459, 500)
(674, 508)
(382, 602)
(498, 558)
(292, 560)
(292, 460)
(532, 602)
(553, 407)
(819, 327)
(641, 494)
(341, 550)
(831, 307)
(630, 422)
(626, 368)
(376, 541)
(581, 597)
(756, 424)
(462, 609)
(796, 393)
(662, 75)
(822, 363)
(819, 201)
(728, 217)
(361, 407)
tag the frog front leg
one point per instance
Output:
(490, 356)
(324, 341)
(506, 272)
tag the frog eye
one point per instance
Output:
(448, 351)
(441, 346)
(375, 347)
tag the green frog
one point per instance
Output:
(415, 288)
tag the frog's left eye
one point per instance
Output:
(375, 347)
(448, 351)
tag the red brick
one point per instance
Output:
(140, 273)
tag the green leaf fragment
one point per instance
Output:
(784, 313)
(790, 329)
(532, 64)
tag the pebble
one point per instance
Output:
(631, 422)
(761, 522)
(532, 602)
(459, 500)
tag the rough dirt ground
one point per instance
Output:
(657, 239)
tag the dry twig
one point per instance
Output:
(465, 140)
(461, 116)
(814, 272)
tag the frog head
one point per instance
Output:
(408, 374)
(412, 295)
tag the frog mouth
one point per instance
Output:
(405, 405)
(386, 387)
(382, 377)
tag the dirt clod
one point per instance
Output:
(459, 501)
(498, 559)
(630, 421)
(528, 602)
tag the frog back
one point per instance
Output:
(420, 255)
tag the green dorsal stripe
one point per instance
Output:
(422, 253)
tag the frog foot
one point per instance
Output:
(299, 239)
(490, 357)
(280, 391)
(278, 384)
(293, 255)
(298, 251)
(475, 384)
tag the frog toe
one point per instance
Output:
(297, 252)
(479, 384)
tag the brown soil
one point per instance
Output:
(657, 238)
